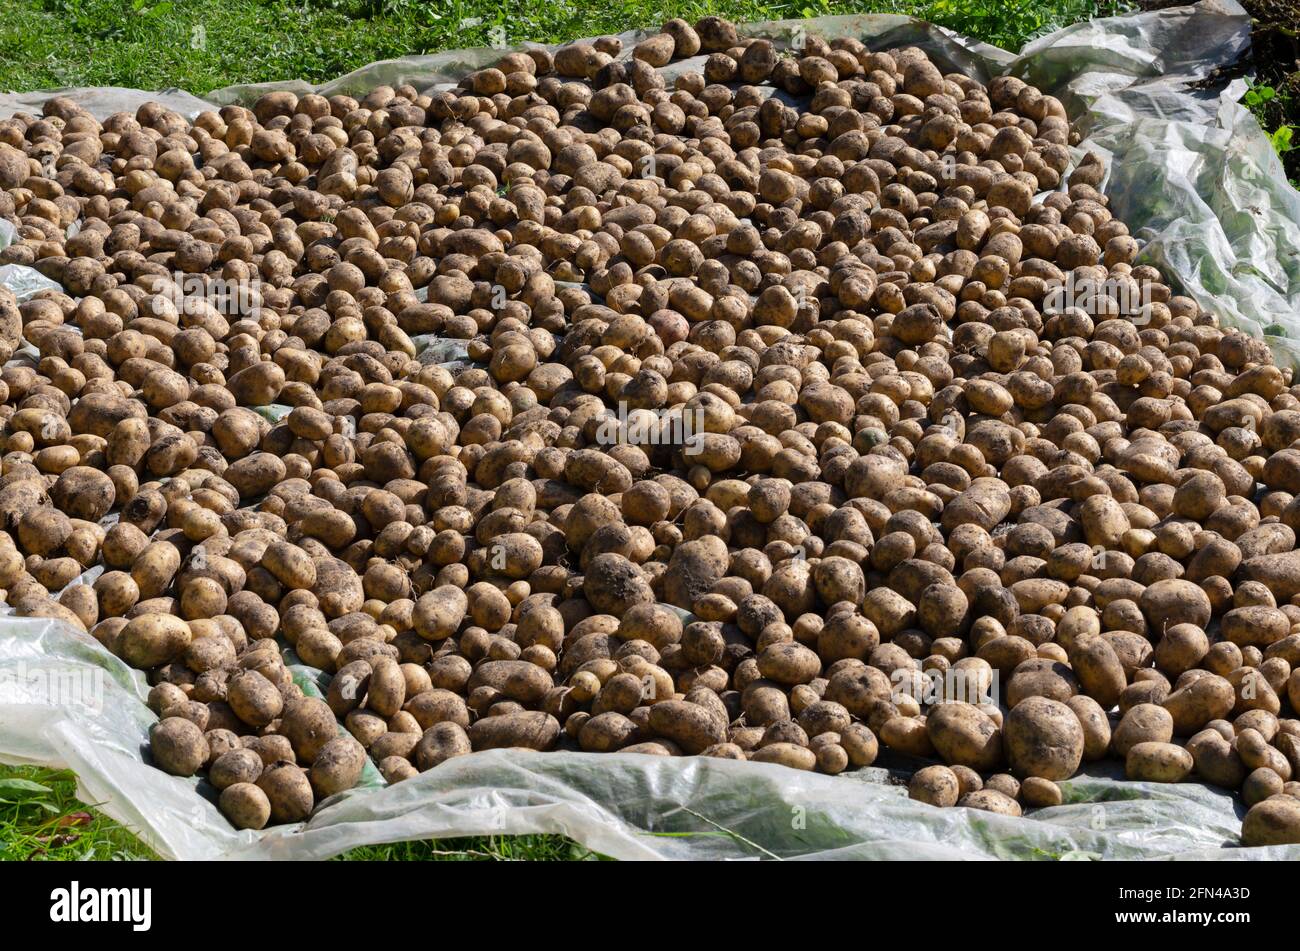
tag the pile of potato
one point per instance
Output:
(904, 464)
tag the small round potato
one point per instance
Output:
(178, 746)
(289, 791)
(246, 805)
(936, 785)
(235, 766)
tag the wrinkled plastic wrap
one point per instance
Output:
(1190, 169)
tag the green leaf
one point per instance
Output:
(22, 786)
(1283, 139)
(1258, 95)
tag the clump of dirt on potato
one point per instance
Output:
(782, 433)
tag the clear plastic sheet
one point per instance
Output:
(26, 282)
(1190, 167)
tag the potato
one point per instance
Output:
(394, 769)
(786, 754)
(291, 566)
(152, 640)
(439, 743)
(1256, 753)
(438, 613)
(235, 766)
(613, 584)
(83, 492)
(220, 742)
(532, 730)
(1275, 821)
(860, 744)
(610, 731)
(1143, 723)
(288, 791)
(348, 688)
(178, 746)
(692, 727)
(936, 785)
(1097, 732)
(1182, 648)
(395, 744)
(1158, 762)
(1040, 793)
(257, 385)
(246, 805)
(964, 735)
(1098, 669)
(155, 568)
(436, 706)
(789, 663)
(725, 751)
(1004, 783)
(1261, 784)
(309, 725)
(1043, 738)
(1200, 701)
(337, 766)
(1172, 601)
(694, 568)
(254, 699)
(990, 800)
(272, 749)
(386, 691)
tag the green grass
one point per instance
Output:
(42, 819)
(200, 45)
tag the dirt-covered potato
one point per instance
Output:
(936, 785)
(337, 766)
(791, 755)
(235, 766)
(1097, 733)
(990, 800)
(1157, 762)
(253, 698)
(534, 730)
(308, 724)
(178, 746)
(1201, 700)
(246, 805)
(1275, 821)
(1043, 738)
(1143, 723)
(288, 791)
(692, 727)
(152, 640)
(439, 743)
(964, 735)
